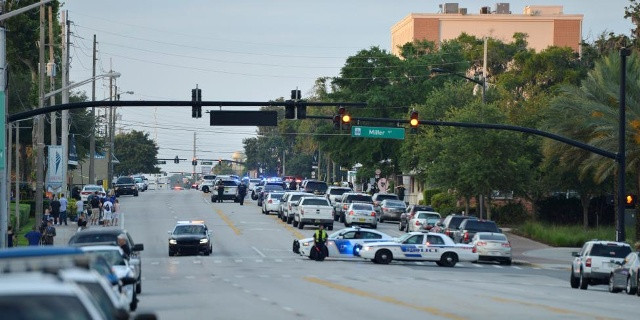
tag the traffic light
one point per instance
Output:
(301, 110)
(176, 160)
(414, 122)
(630, 201)
(289, 110)
(194, 162)
(196, 98)
(345, 118)
(336, 122)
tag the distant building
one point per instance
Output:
(238, 168)
(80, 175)
(545, 26)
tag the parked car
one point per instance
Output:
(469, 227)
(344, 243)
(492, 247)
(379, 197)
(595, 262)
(315, 187)
(272, 202)
(269, 187)
(361, 214)
(334, 193)
(627, 275)
(313, 211)
(408, 215)
(420, 219)
(289, 204)
(391, 209)
(450, 224)
(347, 198)
(90, 189)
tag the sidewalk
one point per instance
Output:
(527, 251)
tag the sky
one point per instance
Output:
(244, 50)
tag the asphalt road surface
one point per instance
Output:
(253, 274)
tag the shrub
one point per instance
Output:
(443, 201)
(566, 236)
(23, 212)
(428, 194)
(512, 213)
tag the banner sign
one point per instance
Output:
(73, 152)
(56, 168)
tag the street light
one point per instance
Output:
(482, 83)
(81, 83)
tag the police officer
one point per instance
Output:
(220, 188)
(319, 243)
(242, 192)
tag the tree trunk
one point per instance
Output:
(584, 201)
(488, 205)
(467, 207)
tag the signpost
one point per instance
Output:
(377, 132)
(206, 163)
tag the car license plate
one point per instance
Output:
(361, 219)
(494, 253)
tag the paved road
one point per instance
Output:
(252, 273)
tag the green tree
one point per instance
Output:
(136, 152)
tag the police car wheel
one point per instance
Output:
(384, 256)
(449, 259)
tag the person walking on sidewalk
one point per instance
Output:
(63, 209)
(107, 206)
(55, 210)
(49, 233)
(34, 236)
(115, 214)
(11, 237)
(94, 202)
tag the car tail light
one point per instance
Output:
(385, 209)
(270, 201)
(466, 236)
(481, 243)
(301, 212)
(588, 263)
(345, 207)
(447, 232)
(351, 212)
(373, 213)
(418, 223)
(474, 250)
(506, 245)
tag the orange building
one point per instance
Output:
(545, 26)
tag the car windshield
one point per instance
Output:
(277, 196)
(362, 206)
(188, 229)
(493, 236)
(42, 306)
(95, 237)
(208, 177)
(337, 192)
(92, 188)
(428, 215)
(125, 180)
(273, 187)
(481, 226)
(455, 222)
(404, 237)
(315, 202)
(359, 198)
(382, 197)
(295, 197)
(138, 180)
(229, 183)
(113, 257)
(316, 186)
(610, 250)
(394, 204)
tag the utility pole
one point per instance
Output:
(18, 175)
(52, 79)
(40, 126)
(194, 155)
(108, 131)
(92, 135)
(64, 122)
(112, 133)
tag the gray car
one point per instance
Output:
(492, 247)
(391, 210)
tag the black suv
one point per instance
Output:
(110, 235)
(469, 227)
(125, 185)
(408, 215)
(450, 224)
(315, 187)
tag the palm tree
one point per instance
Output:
(589, 113)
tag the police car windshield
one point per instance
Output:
(189, 229)
(125, 180)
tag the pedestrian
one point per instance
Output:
(33, 236)
(293, 185)
(400, 192)
(242, 192)
(220, 188)
(10, 237)
(55, 210)
(107, 206)
(63, 209)
(49, 233)
(45, 218)
(94, 203)
(365, 187)
(115, 213)
(82, 221)
(319, 244)
(79, 208)
(350, 184)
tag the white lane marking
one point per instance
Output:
(537, 268)
(476, 265)
(258, 251)
(264, 276)
(517, 268)
(264, 299)
(258, 260)
(174, 262)
(190, 277)
(197, 261)
(235, 285)
(155, 262)
(217, 261)
(287, 309)
(278, 260)
(247, 291)
(238, 260)
(496, 266)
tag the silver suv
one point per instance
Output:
(595, 261)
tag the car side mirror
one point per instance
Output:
(574, 254)
(138, 247)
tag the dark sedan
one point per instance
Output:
(190, 237)
(627, 276)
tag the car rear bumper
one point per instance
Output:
(311, 221)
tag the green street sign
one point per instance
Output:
(206, 163)
(377, 132)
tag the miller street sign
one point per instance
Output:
(206, 163)
(377, 132)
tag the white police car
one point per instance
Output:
(344, 243)
(418, 246)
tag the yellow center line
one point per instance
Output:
(228, 221)
(295, 232)
(387, 299)
(549, 308)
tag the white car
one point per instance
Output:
(492, 247)
(111, 302)
(121, 267)
(272, 202)
(595, 262)
(253, 183)
(360, 213)
(344, 243)
(314, 211)
(90, 189)
(420, 219)
(290, 204)
(334, 193)
(418, 246)
(206, 186)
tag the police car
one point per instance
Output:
(343, 243)
(191, 236)
(419, 246)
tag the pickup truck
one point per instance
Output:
(419, 246)
(313, 211)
